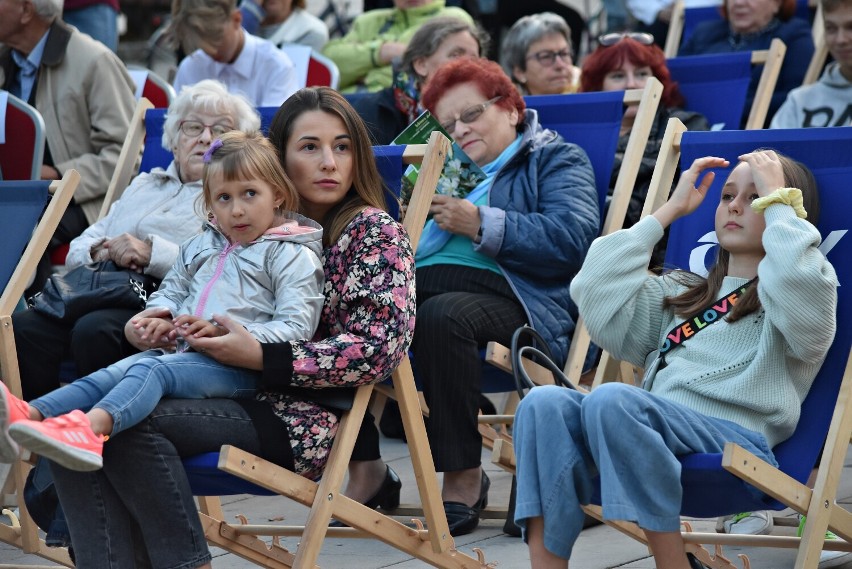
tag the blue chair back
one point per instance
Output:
(708, 489)
(589, 120)
(714, 85)
(694, 16)
(21, 205)
(155, 156)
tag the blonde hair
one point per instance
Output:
(246, 156)
(702, 292)
(367, 189)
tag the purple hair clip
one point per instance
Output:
(214, 146)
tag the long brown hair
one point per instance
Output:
(367, 186)
(701, 292)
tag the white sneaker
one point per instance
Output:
(828, 559)
(746, 523)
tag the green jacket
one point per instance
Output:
(356, 53)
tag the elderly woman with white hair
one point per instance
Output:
(536, 54)
(142, 232)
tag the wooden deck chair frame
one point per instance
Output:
(498, 439)
(22, 532)
(433, 545)
(128, 159)
(821, 49)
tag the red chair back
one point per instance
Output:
(23, 152)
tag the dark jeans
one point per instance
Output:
(95, 341)
(140, 504)
(459, 310)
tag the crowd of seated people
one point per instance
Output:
(502, 257)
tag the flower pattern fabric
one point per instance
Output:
(366, 327)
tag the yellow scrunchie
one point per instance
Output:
(788, 196)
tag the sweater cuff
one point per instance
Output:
(277, 365)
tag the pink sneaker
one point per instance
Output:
(67, 440)
(12, 410)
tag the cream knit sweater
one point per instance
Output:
(755, 372)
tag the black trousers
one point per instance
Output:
(459, 310)
(93, 342)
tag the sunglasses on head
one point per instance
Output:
(607, 40)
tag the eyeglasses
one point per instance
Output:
(195, 128)
(469, 115)
(548, 57)
(607, 40)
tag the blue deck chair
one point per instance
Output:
(29, 214)
(716, 85)
(434, 546)
(716, 484)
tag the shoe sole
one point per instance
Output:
(9, 449)
(51, 449)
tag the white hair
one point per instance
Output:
(208, 96)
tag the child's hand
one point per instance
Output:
(188, 325)
(766, 170)
(138, 333)
(690, 190)
(155, 330)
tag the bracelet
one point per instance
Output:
(787, 196)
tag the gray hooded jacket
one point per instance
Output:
(272, 286)
(828, 102)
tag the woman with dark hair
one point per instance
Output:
(626, 61)
(750, 25)
(439, 40)
(498, 259)
(366, 325)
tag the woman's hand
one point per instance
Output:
(455, 215)
(687, 196)
(151, 328)
(129, 252)
(766, 170)
(236, 347)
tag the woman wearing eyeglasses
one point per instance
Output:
(536, 54)
(142, 232)
(750, 25)
(501, 258)
(626, 61)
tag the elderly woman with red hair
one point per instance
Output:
(749, 25)
(626, 61)
(500, 258)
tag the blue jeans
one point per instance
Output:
(130, 389)
(98, 20)
(619, 441)
(140, 506)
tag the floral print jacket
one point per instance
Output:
(365, 329)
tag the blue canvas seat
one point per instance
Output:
(716, 85)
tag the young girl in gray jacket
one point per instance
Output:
(729, 358)
(254, 261)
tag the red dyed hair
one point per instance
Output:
(786, 11)
(606, 59)
(488, 77)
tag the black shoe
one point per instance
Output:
(386, 498)
(694, 563)
(463, 519)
